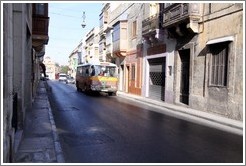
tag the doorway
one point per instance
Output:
(157, 70)
(121, 80)
(184, 76)
(127, 78)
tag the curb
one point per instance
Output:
(192, 115)
(58, 149)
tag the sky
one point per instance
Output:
(65, 30)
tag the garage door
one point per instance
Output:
(157, 78)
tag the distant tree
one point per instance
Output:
(64, 69)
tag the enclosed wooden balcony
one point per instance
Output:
(120, 39)
(182, 12)
(40, 26)
(109, 49)
(120, 47)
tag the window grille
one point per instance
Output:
(219, 64)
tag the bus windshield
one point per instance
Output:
(98, 70)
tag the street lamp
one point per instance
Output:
(83, 23)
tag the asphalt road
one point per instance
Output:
(103, 129)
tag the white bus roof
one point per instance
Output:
(98, 63)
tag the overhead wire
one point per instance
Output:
(66, 15)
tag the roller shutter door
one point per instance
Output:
(157, 78)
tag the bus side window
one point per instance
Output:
(83, 71)
(92, 71)
(87, 71)
(79, 71)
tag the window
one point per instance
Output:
(219, 64)
(133, 72)
(99, 70)
(105, 17)
(134, 29)
(96, 51)
(116, 32)
(40, 9)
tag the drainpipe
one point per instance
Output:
(203, 11)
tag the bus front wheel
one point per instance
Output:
(78, 89)
(112, 93)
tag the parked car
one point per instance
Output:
(63, 78)
(70, 80)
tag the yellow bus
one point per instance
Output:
(97, 77)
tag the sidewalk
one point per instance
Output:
(192, 115)
(39, 143)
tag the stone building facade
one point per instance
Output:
(22, 50)
(123, 43)
(75, 59)
(92, 45)
(52, 69)
(208, 56)
(180, 53)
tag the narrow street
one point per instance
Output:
(103, 129)
(168, 76)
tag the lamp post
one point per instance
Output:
(83, 23)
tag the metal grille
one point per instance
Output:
(156, 78)
(218, 75)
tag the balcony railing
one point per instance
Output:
(180, 12)
(150, 24)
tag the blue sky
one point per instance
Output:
(65, 31)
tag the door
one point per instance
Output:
(121, 78)
(157, 70)
(185, 75)
(127, 79)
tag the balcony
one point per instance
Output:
(108, 49)
(120, 38)
(119, 48)
(180, 13)
(40, 26)
(150, 24)
(40, 32)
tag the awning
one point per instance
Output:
(220, 40)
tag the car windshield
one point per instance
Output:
(109, 71)
(63, 75)
(70, 77)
